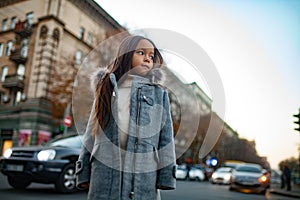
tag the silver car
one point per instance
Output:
(222, 175)
(250, 178)
(182, 172)
(196, 174)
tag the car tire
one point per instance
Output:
(66, 182)
(18, 183)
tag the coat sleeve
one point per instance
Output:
(83, 168)
(167, 160)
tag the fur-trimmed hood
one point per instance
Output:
(155, 76)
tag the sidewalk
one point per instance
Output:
(295, 192)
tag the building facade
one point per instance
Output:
(39, 39)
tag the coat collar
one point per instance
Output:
(155, 76)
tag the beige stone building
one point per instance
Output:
(38, 37)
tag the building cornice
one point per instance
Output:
(94, 10)
(49, 17)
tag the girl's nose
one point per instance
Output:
(147, 58)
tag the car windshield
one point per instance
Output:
(181, 167)
(73, 142)
(199, 167)
(224, 169)
(248, 169)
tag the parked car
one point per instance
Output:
(182, 172)
(275, 177)
(53, 163)
(250, 178)
(222, 175)
(196, 174)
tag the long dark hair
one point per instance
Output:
(120, 66)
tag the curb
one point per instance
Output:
(288, 194)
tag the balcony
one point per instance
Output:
(19, 55)
(23, 29)
(14, 81)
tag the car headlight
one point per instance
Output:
(263, 179)
(227, 177)
(214, 176)
(48, 154)
(7, 153)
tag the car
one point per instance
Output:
(182, 172)
(275, 177)
(196, 174)
(222, 175)
(250, 178)
(53, 163)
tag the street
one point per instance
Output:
(185, 190)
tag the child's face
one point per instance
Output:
(143, 56)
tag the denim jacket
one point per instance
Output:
(149, 161)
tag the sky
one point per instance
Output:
(255, 46)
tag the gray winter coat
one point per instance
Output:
(148, 163)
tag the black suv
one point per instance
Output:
(52, 163)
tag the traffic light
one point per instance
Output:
(61, 129)
(297, 121)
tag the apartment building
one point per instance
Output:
(37, 38)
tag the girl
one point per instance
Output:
(128, 150)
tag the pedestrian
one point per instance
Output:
(287, 176)
(128, 150)
(282, 179)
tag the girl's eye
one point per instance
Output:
(140, 52)
(152, 57)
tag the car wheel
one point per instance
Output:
(66, 182)
(18, 183)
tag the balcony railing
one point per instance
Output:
(24, 29)
(14, 81)
(18, 55)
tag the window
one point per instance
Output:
(78, 56)
(21, 70)
(86, 62)
(55, 34)
(44, 32)
(8, 48)
(81, 33)
(4, 24)
(29, 18)
(24, 48)
(18, 97)
(13, 22)
(89, 38)
(4, 73)
(1, 49)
